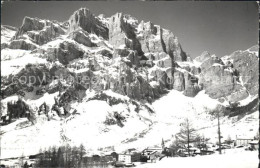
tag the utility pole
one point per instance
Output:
(219, 135)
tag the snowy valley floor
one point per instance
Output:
(231, 159)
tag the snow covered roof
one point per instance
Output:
(254, 142)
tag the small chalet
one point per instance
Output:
(254, 144)
(130, 156)
(243, 141)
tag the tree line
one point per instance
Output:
(62, 157)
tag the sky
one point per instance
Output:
(217, 27)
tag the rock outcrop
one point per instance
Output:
(122, 33)
(105, 52)
(195, 70)
(143, 37)
(165, 63)
(31, 75)
(247, 65)
(82, 37)
(22, 44)
(192, 90)
(65, 53)
(172, 46)
(178, 81)
(35, 74)
(233, 76)
(150, 37)
(204, 56)
(116, 36)
(218, 81)
(210, 61)
(160, 55)
(39, 31)
(84, 19)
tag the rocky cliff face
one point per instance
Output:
(247, 65)
(22, 44)
(85, 20)
(230, 77)
(39, 31)
(138, 59)
(82, 37)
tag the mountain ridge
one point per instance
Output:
(110, 75)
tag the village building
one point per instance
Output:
(243, 141)
(129, 158)
(131, 155)
(152, 153)
(254, 144)
(153, 149)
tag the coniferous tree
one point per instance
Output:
(26, 165)
(82, 152)
(74, 156)
(67, 151)
(60, 157)
(48, 157)
(39, 161)
(64, 156)
(54, 162)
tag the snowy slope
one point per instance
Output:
(7, 32)
(197, 110)
(87, 124)
(14, 60)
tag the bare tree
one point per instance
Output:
(218, 112)
(187, 134)
(219, 134)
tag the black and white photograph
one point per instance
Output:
(145, 84)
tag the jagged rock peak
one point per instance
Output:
(83, 11)
(84, 19)
(130, 19)
(32, 24)
(39, 31)
(204, 55)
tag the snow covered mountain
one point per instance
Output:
(114, 83)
